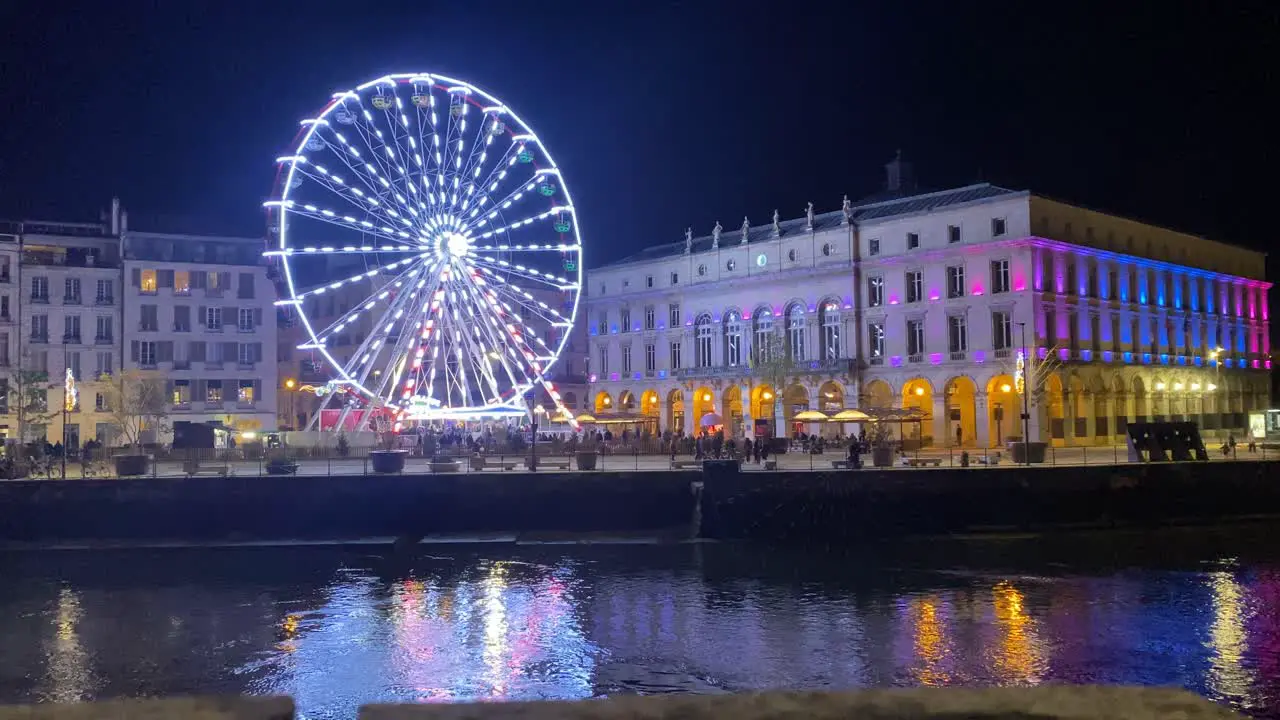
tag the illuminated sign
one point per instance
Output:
(1018, 376)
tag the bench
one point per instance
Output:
(483, 463)
(686, 464)
(770, 464)
(989, 460)
(192, 468)
(281, 467)
(559, 463)
(845, 464)
(924, 462)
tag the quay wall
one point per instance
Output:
(841, 506)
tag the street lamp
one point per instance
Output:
(1026, 400)
(534, 407)
(289, 385)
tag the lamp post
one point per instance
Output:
(68, 402)
(1215, 355)
(533, 427)
(1026, 398)
(290, 385)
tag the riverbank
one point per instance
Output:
(772, 506)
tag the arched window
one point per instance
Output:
(795, 332)
(702, 332)
(762, 339)
(829, 320)
(732, 338)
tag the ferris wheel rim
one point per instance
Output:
(436, 82)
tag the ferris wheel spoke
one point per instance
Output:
(512, 164)
(298, 297)
(378, 189)
(386, 233)
(379, 295)
(519, 295)
(492, 267)
(489, 127)
(493, 331)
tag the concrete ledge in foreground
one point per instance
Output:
(192, 708)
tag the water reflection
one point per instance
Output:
(337, 629)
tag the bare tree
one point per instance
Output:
(26, 395)
(137, 403)
(772, 363)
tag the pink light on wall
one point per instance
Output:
(934, 296)
(977, 288)
(1253, 303)
(935, 358)
(1267, 364)
(1037, 270)
(1262, 300)
(1019, 282)
(979, 356)
(1239, 301)
(1059, 274)
(893, 299)
(1064, 354)
(895, 361)
(1042, 353)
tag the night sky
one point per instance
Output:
(662, 115)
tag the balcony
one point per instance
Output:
(1002, 353)
(5, 278)
(104, 300)
(245, 329)
(42, 299)
(148, 327)
(103, 340)
(957, 355)
(212, 404)
(708, 372)
(915, 358)
(71, 300)
(212, 364)
(242, 365)
(245, 405)
(876, 361)
(71, 339)
(39, 340)
(181, 364)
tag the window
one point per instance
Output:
(829, 322)
(602, 288)
(650, 357)
(105, 294)
(762, 260)
(733, 339)
(731, 265)
(1001, 330)
(100, 403)
(626, 359)
(213, 391)
(71, 328)
(244, 287)
(244, 321)
(149, 320)
(213, 318)
(673, 315)
(702, 333)
(702, 270)
(71, 290)
(181, 282)
(650, 317)
(953, 233)
(762, 335)
(182, 318)
(648, 281)
(40, 328)
(915, 339)
(791, 255)
(675, 356)
(1115, 332)
(181, 392)
(625, 319)
(873, 246)
(147, 355)
(795, 332)
(1050, 326)
(147, 283)
(73, 364)
(247, 353)
(997, 227)
(875, 340)
(957, 334)
(955, 281)
(4, 362)
(826, 250)
(875, 291)
(999, 276)
(40, 289)
(913, 241)
(675, 278)
(214, 282)
(602, 323)
(914, 281)
(604, 360)
(104, 362)
(4, 307)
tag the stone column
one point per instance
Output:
(982, 419)
(1090, 420)
(1068, 418)
(942, 435)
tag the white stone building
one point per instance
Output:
(921, 299)
(201, 309)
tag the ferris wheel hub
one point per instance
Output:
(456, 244)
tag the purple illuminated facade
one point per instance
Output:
(927, 300)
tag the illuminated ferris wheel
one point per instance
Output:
(430, 248)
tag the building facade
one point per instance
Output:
(92, 299)
(964, 304)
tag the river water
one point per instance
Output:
(339, 627)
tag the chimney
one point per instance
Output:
(124, 222)
(900, 177)
(115, 216)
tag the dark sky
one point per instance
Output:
(662, 114)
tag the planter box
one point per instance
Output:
(1019, 450)
(387, 461)
(587, 460)
(132, 465)
(445, 465)
(882, 456)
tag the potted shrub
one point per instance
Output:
(587, 453)
(387, 458)
(881, 440)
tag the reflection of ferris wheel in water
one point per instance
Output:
(434, 226)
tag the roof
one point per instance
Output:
(861, 212)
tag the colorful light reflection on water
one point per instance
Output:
(336, 629)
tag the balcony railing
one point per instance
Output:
(915, 358)
(103, 340)
(104, 300)
(71, 339)
(1002, 353)
(40, 299)
(212, 404)
(71, 300)
(876, 361)
(39, 339)
(957, 355)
